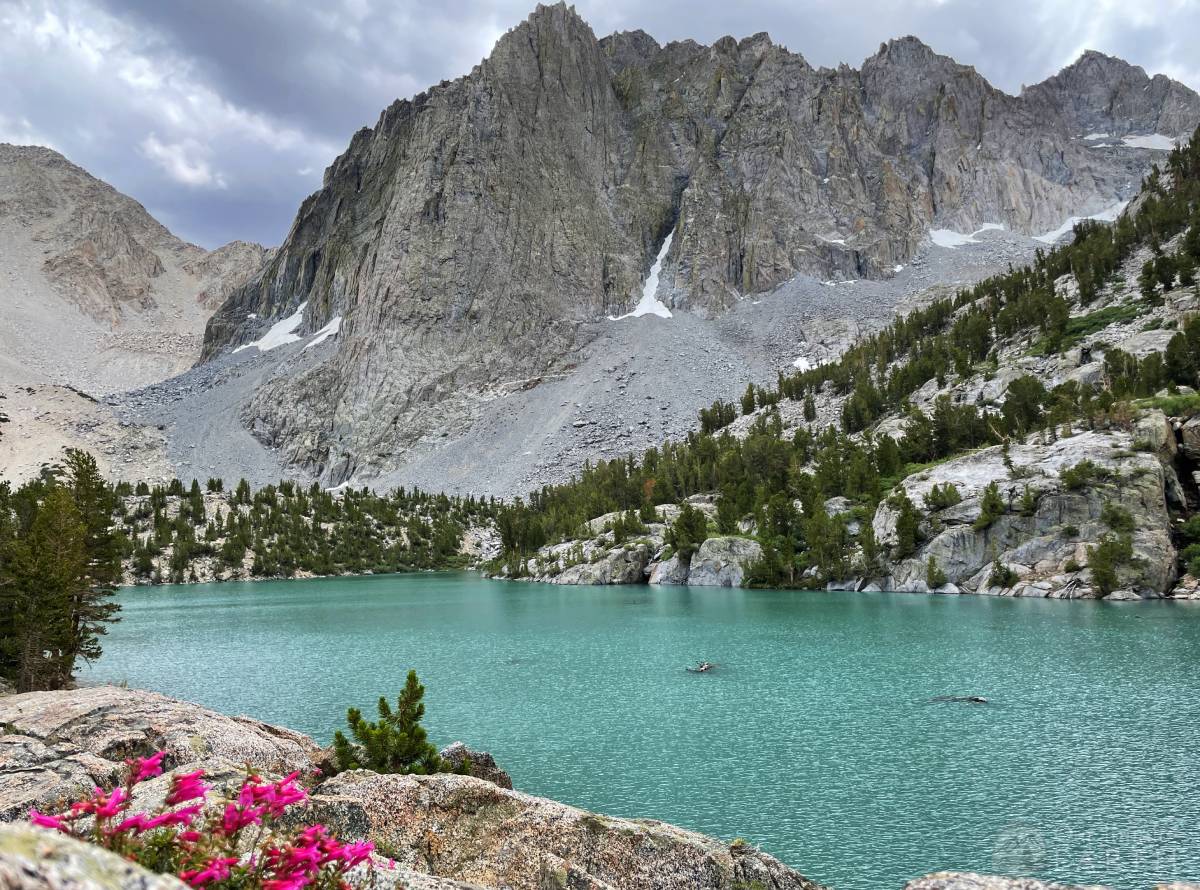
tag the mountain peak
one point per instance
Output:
(908, 48)
(1093, 61)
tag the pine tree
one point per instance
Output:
(91, 602)
(748, 399)
(991, 507)
(42, 570)
(907, 525)
(397, 743)
(687, 532)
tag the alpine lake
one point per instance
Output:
(819, 735)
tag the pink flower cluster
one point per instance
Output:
(201, 840)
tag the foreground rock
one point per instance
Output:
(466, 829)
(57, 744)
(35, 859)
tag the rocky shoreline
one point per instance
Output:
(1053, 516)
(443, 831)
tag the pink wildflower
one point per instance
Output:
(214, 870)
(236, 818)
(189, 836)
(48, 821)
(187, 786)
(136, 823)
(143, 768)
(101, 805)
(356, 853)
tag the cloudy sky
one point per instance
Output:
(220, 115)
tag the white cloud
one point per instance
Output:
(19, 131)
(183, 161)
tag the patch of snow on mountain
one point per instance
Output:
(951, 239)
(1108, 214)
(330, 330)
(1152, 140)
(281, 332)
(649, 304)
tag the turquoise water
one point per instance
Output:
(815, 738)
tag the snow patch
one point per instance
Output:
(806, 364)
(833, 238)
(1108, 214)
(282, 332)
(897, 268)
(649, 304)
(950, 238)
(1091, 136)
(1151, 140)
(330, 330)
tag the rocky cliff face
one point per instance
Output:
(96, 292)
(1049, 527)
(463, 242)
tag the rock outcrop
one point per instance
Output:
(37, 859)
(482, 764)
(467, 829)
(464, 242)
(56, 744)
(723, 562)
(1048, 525)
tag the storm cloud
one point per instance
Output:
(220, 115)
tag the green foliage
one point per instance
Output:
(1075, 329)
(59, 563)
(1029, 502)
(942, 496)
(934, 576)
(1182, 405)
(1076, 477)
(687, 532)
(1116, 517)
(285, 529)
(748, 399)
(1106, 558)
(1001, 575)
(397, 743)
(907, 525)
(991, 507)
